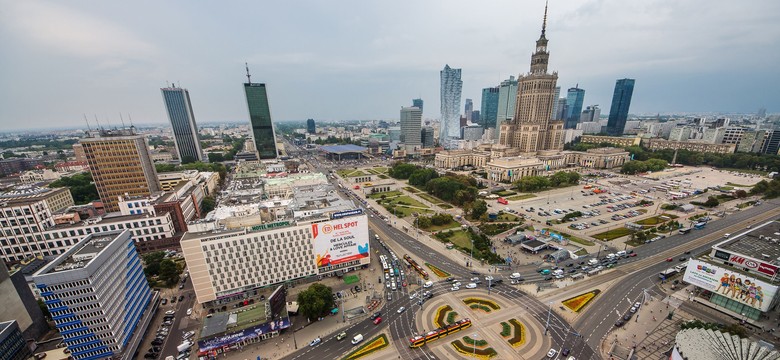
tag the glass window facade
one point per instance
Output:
(260, 117)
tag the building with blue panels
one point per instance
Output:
(574, 100)
(185, 131)
(96, 293)
(12, 343)
(621, 101)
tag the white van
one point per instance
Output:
(557, 272)
(610, 256)
(428, 284)
(593, 262)
(358, 338)
(622, 253)
(515, 276)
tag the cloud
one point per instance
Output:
(75, 33)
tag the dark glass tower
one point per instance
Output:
(311, 127)
(618, 112)
(489, 112)
(574, 100)
(418, 103)
(260, 117)
(185, 131)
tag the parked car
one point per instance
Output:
(551, 354)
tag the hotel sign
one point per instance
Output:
(268, 226)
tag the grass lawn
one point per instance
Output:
(445, 206)
(383, 176)
(351, 279)
(573, 238)
(738, 185)
(727, 188)
(507, 217)
(387, 194)
(247, 318)
(403, 211)
(581, 252)
(408, 207)
(521, 197)
(345, 173)
(612, 234)
(505, 193)
(411, 189)
(434, 228)
(653, 220)
(431, 198)
(460, 238)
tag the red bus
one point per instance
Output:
(503, 201)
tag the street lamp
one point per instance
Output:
(547, 325)
(474, 343)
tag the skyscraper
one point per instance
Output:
(531, 129)
(260, 117)
(590, 114)
(426, 136)
(411, 122)
(97, 294)
(621, 101)
(311, 127)
(489, 107)
(185, 131)
(468, 109)
(120, 165)
(574, 100)
(554, 114)
(418, 103)
(451, 86)
(507, 98)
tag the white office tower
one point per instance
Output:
(451, 86)
(411, 122)
(96, 293)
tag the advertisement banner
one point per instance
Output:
(745, 289)
(243, 335)
(339, 241)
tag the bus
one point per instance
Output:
(684, 230)
(441, 332)
(667, 273)
(700, 225)
(503, 201)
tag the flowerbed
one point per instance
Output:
(518, 338)
(484, 353)
(451, 317)
(378, 343)
(441, 312)
(480, 301)
(436, 271)
(578, 302)
(480, 307)
(506, 330)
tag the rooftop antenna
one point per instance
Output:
(122, 120)
(248, 77)
(544, 22)
(97, 122)
(87, 121)
(131, 119)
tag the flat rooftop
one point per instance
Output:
(109, 218)
(235, 320)
(82, 253)
(761, 242)
(343, 149)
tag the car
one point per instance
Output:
(377, 320)
(548, 278)
(173, 299)
(170, 312)
(565, 352)
(683, 258)
(633, 309)
(456, 284)
(669, 259)
(450, 279)
(403, 284)
(488, 278)
(341, 336)
(181, 297)
(189, 311)
(551, 354)
(150, 356)
(412, 296)
(181, 286)
(157, 342)
(401, 309)
(631, 254)
(188, 335)
(627, 316)
(471, 286)
(315, 342)
(498, 281)
(376, 315)
(572, 271)
(619, 323)
(164, 301)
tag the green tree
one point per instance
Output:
(420, 177)
(711, 202)
(478, 208)
(739, 194)
(402, 170)
(80, 185)
(152, 263)
(163, 168)
(207, 205)
(169, 272)
(44, 309)
(216, 157)
(315, 301)
(424, 222)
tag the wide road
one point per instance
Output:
(643, 274)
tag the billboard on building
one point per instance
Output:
(737, 286)
(340, 240)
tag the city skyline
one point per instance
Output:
(102, 64)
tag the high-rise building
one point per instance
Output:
(531, 129)
(260, 117)
(418, 103)
(590, 114)
(560, 109)
(78, 152)
(574, 100)
(554, 114)
(120, 165)
(411, 122)
(311, 127)
(19, 303)
(489, 107)
(468, 109)
(97, 295)
(426, 136)
(507, 98)
(451, 86)
(621, 101)
(12, 343)
(471, 132)
(475, 116)
(771, 143)
(185, 131)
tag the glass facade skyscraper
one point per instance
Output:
(621, 101)
(507, 97)
(260, 117)
(185, 131)
(489, 107)
(574, 100)
(311, 127)
(451, 87)
(418, 103)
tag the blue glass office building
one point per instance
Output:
(185, 132)
(574, 100)
(621, 101)
(97, 294)
(489, 107)
(260, 117)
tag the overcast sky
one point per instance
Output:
(333, 60)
